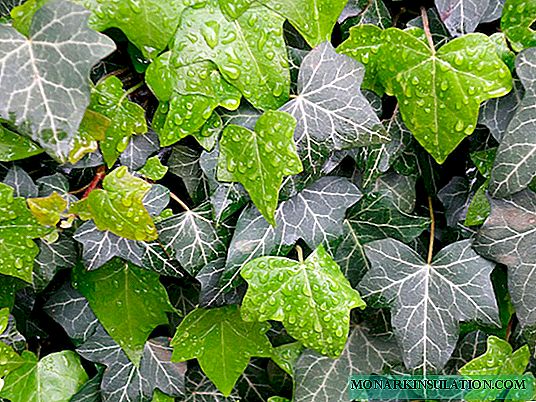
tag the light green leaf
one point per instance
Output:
(479, 208)
(363, 45)
(4, 318)
(129, 302)
(9, 360)
(51, 96)
(314, 20)
(14, 146)
(439, 92)
(118, 206)
(92, 129)
(260, 159)
(153, 169)
(221, 342)
(312, 298)
(517, 23)
(19, 227)
(188, 95)
(126, 118)
(56, 377)
(248, 49)
(286, 356)
(48, 210)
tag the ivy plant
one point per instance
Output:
(253, 200)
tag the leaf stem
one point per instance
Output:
(101, 173)
(426, 26)
(179, 201)
(299, 250)
(432, 231)
(130, 90)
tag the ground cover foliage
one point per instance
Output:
(224, 200)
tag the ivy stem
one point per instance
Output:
(299, 250)
(130, 90)
(426, 26)
(432, 231)
(179, 201)
(101, 173)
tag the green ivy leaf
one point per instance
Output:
(48, 210)
(260, 159)
(118, 206)
(429, 300)
(479, 208)
(188, 95)
(51, 97)
(439, 92)
(130, 302)
(56, 377)
(312, 298)
(516, 23)
(126, 118)
(285, 356)
(248, 49)
(92, 130)
(515, 164)
(153, 169)
(19, 227)
(221, 342)
(314, 20)
(14, 146)
(363, 45)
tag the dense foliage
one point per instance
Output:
(223, 200)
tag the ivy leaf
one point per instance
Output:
(126, 117)
(361, 12)
(188, 94)
(153, 169)
(200, 389)
(14, 146)
(313, 20)
(363, 44)
(374, 217)
(48, 210)
(185, 163)
(52, 258)
(92, 130)
(330, 110)
(399, 189)
(139, 149)
(118, 206)
(129, 302)
(232, 43)
(322, 379)
(221, 342)
(21, 182)
(462, 16)
(56, 377)
(515, 163)
(517, 23)
(311, 298)
(428, 300)
(314, 215)
(260, 159)
(456, 198)
(9, 359)
(439, 92)
(159, 21)
(45, 97)
(193, 238)
(19, 227)
(508, 237)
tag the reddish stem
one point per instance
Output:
(101, 173)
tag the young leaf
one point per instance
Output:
(118, 206)
(428, 301)
(323, 379)
(48, 210)
(508, 237)
(188, 94)
(193, 238)
(515, 164)
(330, 110)
(260, 159)
(517, 23)
(19, 227)
(440, 92)
(14, 146)
(238, 45)
(126, 117)
(46, 97)
(56, 377)
(312, 299)
(221, 342)
(153, 169)
(129, 302)
(314, 20)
